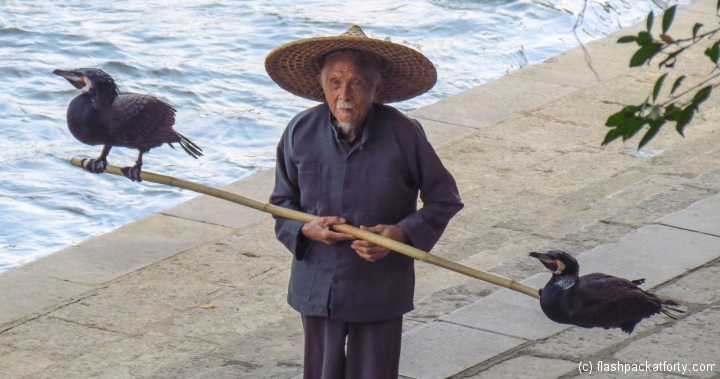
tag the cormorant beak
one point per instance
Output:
(75, 78)
(551, 264)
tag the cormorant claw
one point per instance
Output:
(132, 173)
(96, 166)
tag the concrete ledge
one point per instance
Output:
(24, 293)
(124, 250)
(702, 216)
(220, 212)
(656, 252)
(439, 349)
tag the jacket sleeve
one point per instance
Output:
(287, 194)
(438, 192)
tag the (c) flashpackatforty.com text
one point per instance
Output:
(588, 367)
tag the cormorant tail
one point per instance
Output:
(666, 310)
(190, 147)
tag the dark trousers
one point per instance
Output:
(373, 348)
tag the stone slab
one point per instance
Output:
(655, 252)
(701, 6)
(488, 314)
(493, 102)
(693, 340)
(571, 69)
(699, 287)
(56, 339)
(216, 211)
(128, 358)
(16, 363)
(509, 312)
(703, 216)
(439, 349)
(461, 113)
(126, 249)
(24, 293)
(527, 367)
(576, 344)
(514, 94)
(441, 133)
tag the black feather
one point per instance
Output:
(596, 300)
(105, 116)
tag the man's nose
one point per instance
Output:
(344, 91)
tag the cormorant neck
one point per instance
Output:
(102, 95)
(564, 281)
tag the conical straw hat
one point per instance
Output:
(295, 66)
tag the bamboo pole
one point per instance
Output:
(344, 228)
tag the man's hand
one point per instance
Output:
(319, 230)
(372, 252)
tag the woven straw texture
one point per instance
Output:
(295, 66)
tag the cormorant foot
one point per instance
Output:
(96, 166)
(132, 173)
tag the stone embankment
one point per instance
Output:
(525, 150)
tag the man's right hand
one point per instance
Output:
(319, 230)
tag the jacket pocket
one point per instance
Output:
(309, 179)
(302, 278)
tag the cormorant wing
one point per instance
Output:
(607, 301)
(140, 121)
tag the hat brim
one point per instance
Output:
(295, 67)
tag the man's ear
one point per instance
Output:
(378, 89)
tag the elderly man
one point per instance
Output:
(353, 159)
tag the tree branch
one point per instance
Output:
(578, 22)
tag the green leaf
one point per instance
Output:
(632, 126)
(718, 6)
(650, 20)
(668, 17)
(685, 117)
(658, 85)
(625, 114)
(654, 129)
(611, 136)
(645, 53)
(713, 52)
(696, 28)
(701, 95)
(627, 39)
(672, 113)
(677, 83)
(644, 38)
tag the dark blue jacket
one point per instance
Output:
(376, 181)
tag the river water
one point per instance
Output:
(206, 58)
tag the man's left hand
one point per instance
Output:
(372, 252)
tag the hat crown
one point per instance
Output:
(354, 31)
(406, 73)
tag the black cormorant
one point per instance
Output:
(102, 115)
(595, 300)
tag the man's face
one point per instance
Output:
(349, 90)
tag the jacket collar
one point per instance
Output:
(367, 125)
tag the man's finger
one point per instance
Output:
(338, 236)
(333, 220)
